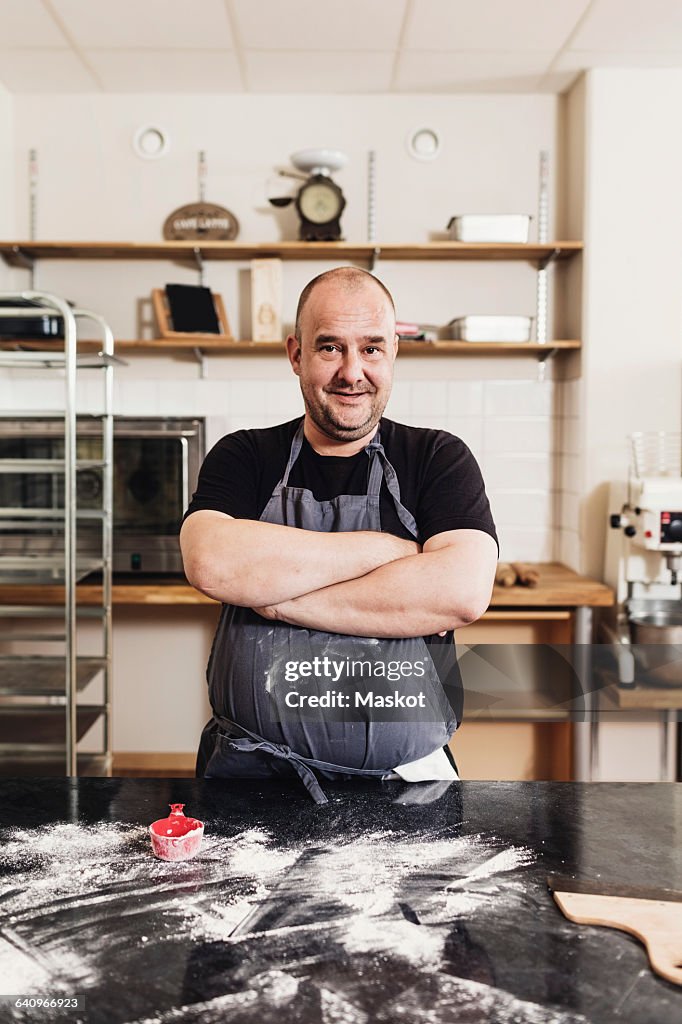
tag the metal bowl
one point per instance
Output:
(656, 633)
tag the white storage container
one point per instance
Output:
(489, 227)
(491, 328)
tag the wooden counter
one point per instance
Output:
(559, 587)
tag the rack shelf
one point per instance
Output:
(22, 253)
(41, 718)
(23, 677)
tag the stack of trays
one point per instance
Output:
(489, 227)
(491, 328)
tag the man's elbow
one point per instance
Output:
(470, 608)
(200, 574)
(472, 611)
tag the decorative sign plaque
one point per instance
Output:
(201, 221)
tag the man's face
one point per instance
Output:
(345, 362)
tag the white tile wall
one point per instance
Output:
(516, 397)
(430, 398)
(465, 398)
(568, 549)
(513, 434)
(524, 433)
(524, 508)
(518, 470)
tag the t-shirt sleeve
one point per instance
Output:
(228, 479)
(453, 493)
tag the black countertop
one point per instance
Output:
(385, 905)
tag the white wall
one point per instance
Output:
(632, 305)
(632, 322)
(7, 186)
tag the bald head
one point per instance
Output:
(347, 279)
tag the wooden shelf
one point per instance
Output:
(21, 253)
(216, 346)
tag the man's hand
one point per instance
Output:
(447, 586)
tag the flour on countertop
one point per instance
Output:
(373, 894)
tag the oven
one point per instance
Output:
(156, 466)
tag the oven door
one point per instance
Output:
(156, 465)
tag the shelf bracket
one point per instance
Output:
(17, 257)
(200, 357)
(199, 260)
(543, 359)
(549, 258)
(374, 258)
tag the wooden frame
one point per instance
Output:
(166, 332)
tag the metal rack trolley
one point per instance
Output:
(35, 688)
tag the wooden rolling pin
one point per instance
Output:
(505, 575)
(526, 574)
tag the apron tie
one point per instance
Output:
(281, 750)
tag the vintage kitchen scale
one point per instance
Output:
(644, 564)
(319, 201)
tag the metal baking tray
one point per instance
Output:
(491, 328)
(489, 227)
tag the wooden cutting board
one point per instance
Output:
(657, 923)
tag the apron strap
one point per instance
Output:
(294, 453)
(305, 774)
(377, 465)
(249, 741)
(380, 469)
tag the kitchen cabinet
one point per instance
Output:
(541, 255)
(394, 902)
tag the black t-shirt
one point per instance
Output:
(439, 478)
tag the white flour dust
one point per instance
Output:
(371, 894)
(56, 865)
(370, 884)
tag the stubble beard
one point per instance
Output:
(324, 419)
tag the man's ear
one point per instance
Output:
(294, 353)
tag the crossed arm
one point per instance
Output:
(361, 584)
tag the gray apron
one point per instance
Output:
(245, 739)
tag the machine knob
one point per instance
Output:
(629, 531)
(675, 529)
(614, 521)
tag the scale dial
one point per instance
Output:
(320, 203)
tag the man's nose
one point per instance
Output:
(351, 366)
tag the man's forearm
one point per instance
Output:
(415, 596)
(243, 562)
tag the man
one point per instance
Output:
(339, 525)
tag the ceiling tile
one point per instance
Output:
(631, 25)
(157, 24)
(28, 24)
(581, 60)
(491, 24)
(319, 24)
(44, 71)
(470, 72)
(318, 72)
(189, 71)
